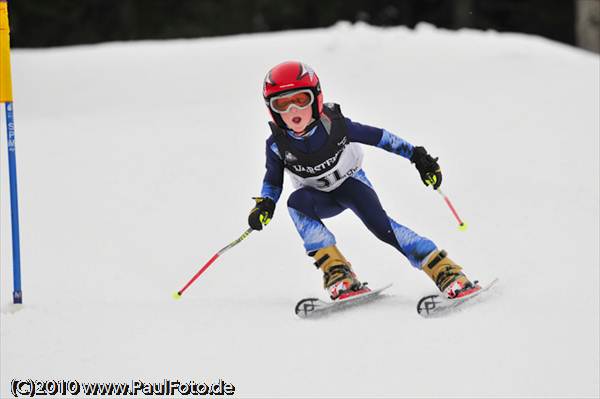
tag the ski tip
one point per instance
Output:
(176, 295)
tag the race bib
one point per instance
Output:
(349, 162)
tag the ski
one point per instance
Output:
(313, 307)
(436, 305)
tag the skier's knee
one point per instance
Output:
(386, 236)
(299, 200)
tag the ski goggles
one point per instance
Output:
(300, 99)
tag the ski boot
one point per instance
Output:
(448, 276)
(338, 278)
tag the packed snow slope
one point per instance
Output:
(137, 162)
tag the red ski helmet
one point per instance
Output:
(291, 76)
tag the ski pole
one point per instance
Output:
(462, 226)
(246, 233)
(431, 180)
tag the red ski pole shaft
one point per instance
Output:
(215, 256)
(246, 233)
(461, 225)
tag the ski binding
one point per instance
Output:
(313, 307)
(436, 305)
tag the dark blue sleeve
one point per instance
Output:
(364, 134)
(273, 180)
(378, 137)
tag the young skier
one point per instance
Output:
(320, 149)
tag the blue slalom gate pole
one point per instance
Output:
(6, 100)
(14, 202)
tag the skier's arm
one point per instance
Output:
(378, 137)
(272, 186)
(426, 165)
(273, 180)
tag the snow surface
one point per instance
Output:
(137, 162)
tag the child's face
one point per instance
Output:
(297, 119)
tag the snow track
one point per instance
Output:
(137, 162)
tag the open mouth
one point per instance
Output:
(296, 119)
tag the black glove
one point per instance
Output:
(262, 213)
(427, 166)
